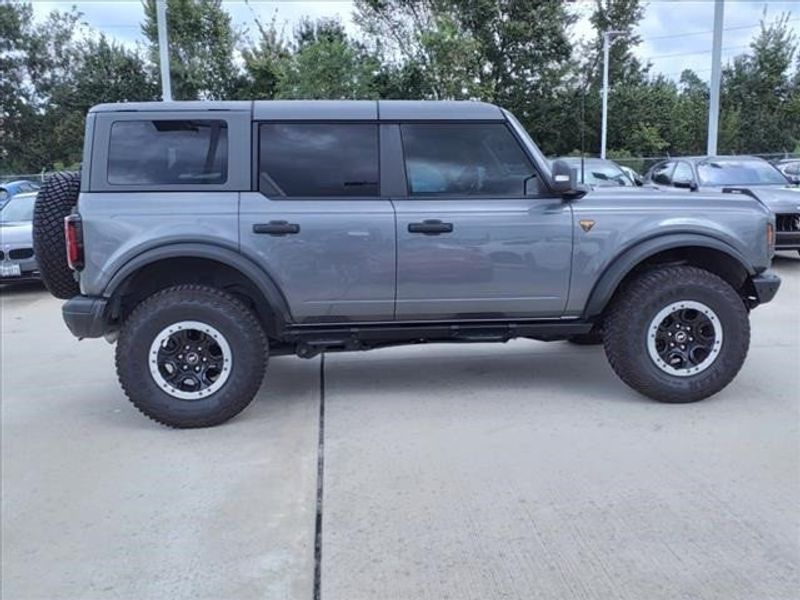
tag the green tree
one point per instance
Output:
(201, 48)
(327, 64)
(623, 66)
(759, 88)
(36, 64)
(426, 51)
(264, 62)
(517, 54)
(51, 75)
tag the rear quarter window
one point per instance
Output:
(168, 152)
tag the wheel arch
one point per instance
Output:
(182, 263)
(706, 252)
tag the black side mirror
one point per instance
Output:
(565, 179)
(685, 184)
(637, 179)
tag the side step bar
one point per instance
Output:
(311, 340)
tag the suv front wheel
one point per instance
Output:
(191, 356)
(677, 334)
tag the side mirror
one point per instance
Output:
(685, 184)
(637, 179)
(565, 180)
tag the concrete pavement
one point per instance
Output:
(99, 502)
(524, 470)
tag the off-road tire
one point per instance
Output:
(637, 304)
(55, 200)
(221, 311)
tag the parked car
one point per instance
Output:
(598, 172)
(632, 174)
(207, 235)
(742, 174)
(11, 188)
(790, 167)
(17, 261)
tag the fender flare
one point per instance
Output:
(622, 264)
(249, 269)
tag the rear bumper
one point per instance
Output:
(766, 285)
(85, 316)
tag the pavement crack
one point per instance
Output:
(320, 473)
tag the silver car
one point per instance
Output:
(17, 261)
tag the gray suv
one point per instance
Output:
(739, 174)
(203, 237)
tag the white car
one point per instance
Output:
(17, 261)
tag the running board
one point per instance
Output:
(310, 340)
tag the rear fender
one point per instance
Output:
(260, 278)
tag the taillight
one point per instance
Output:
(73, 235)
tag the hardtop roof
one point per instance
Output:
(313, 110)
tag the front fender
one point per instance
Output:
(628, 259)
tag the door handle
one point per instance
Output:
(276, 228)
(430, 227)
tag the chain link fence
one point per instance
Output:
(640, 164)
(37, 177)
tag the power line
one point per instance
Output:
(695, 52)
(706, 32)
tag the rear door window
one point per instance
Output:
(466, 159)
(318, 159)
(168, 152)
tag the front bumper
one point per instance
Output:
(86, 316)
(765, 285)
(787, 240)
(28, 268)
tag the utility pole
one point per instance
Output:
(716, 76)
(163, 50)
(608, 39)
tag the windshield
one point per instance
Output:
(600, 174)
(19, 208)
(738, 172)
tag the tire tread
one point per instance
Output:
(169, 413)
(620, 336)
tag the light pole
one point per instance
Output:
(716, 73)
(608, 39)
(163, 50)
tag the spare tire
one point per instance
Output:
(55, 200)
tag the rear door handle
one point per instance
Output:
(276, 228)
(430, 227)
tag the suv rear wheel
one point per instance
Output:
(191, 356)
(677, 334)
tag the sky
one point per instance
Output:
(676, 34)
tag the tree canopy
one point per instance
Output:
(521, 55)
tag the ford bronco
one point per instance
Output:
(202, 237)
